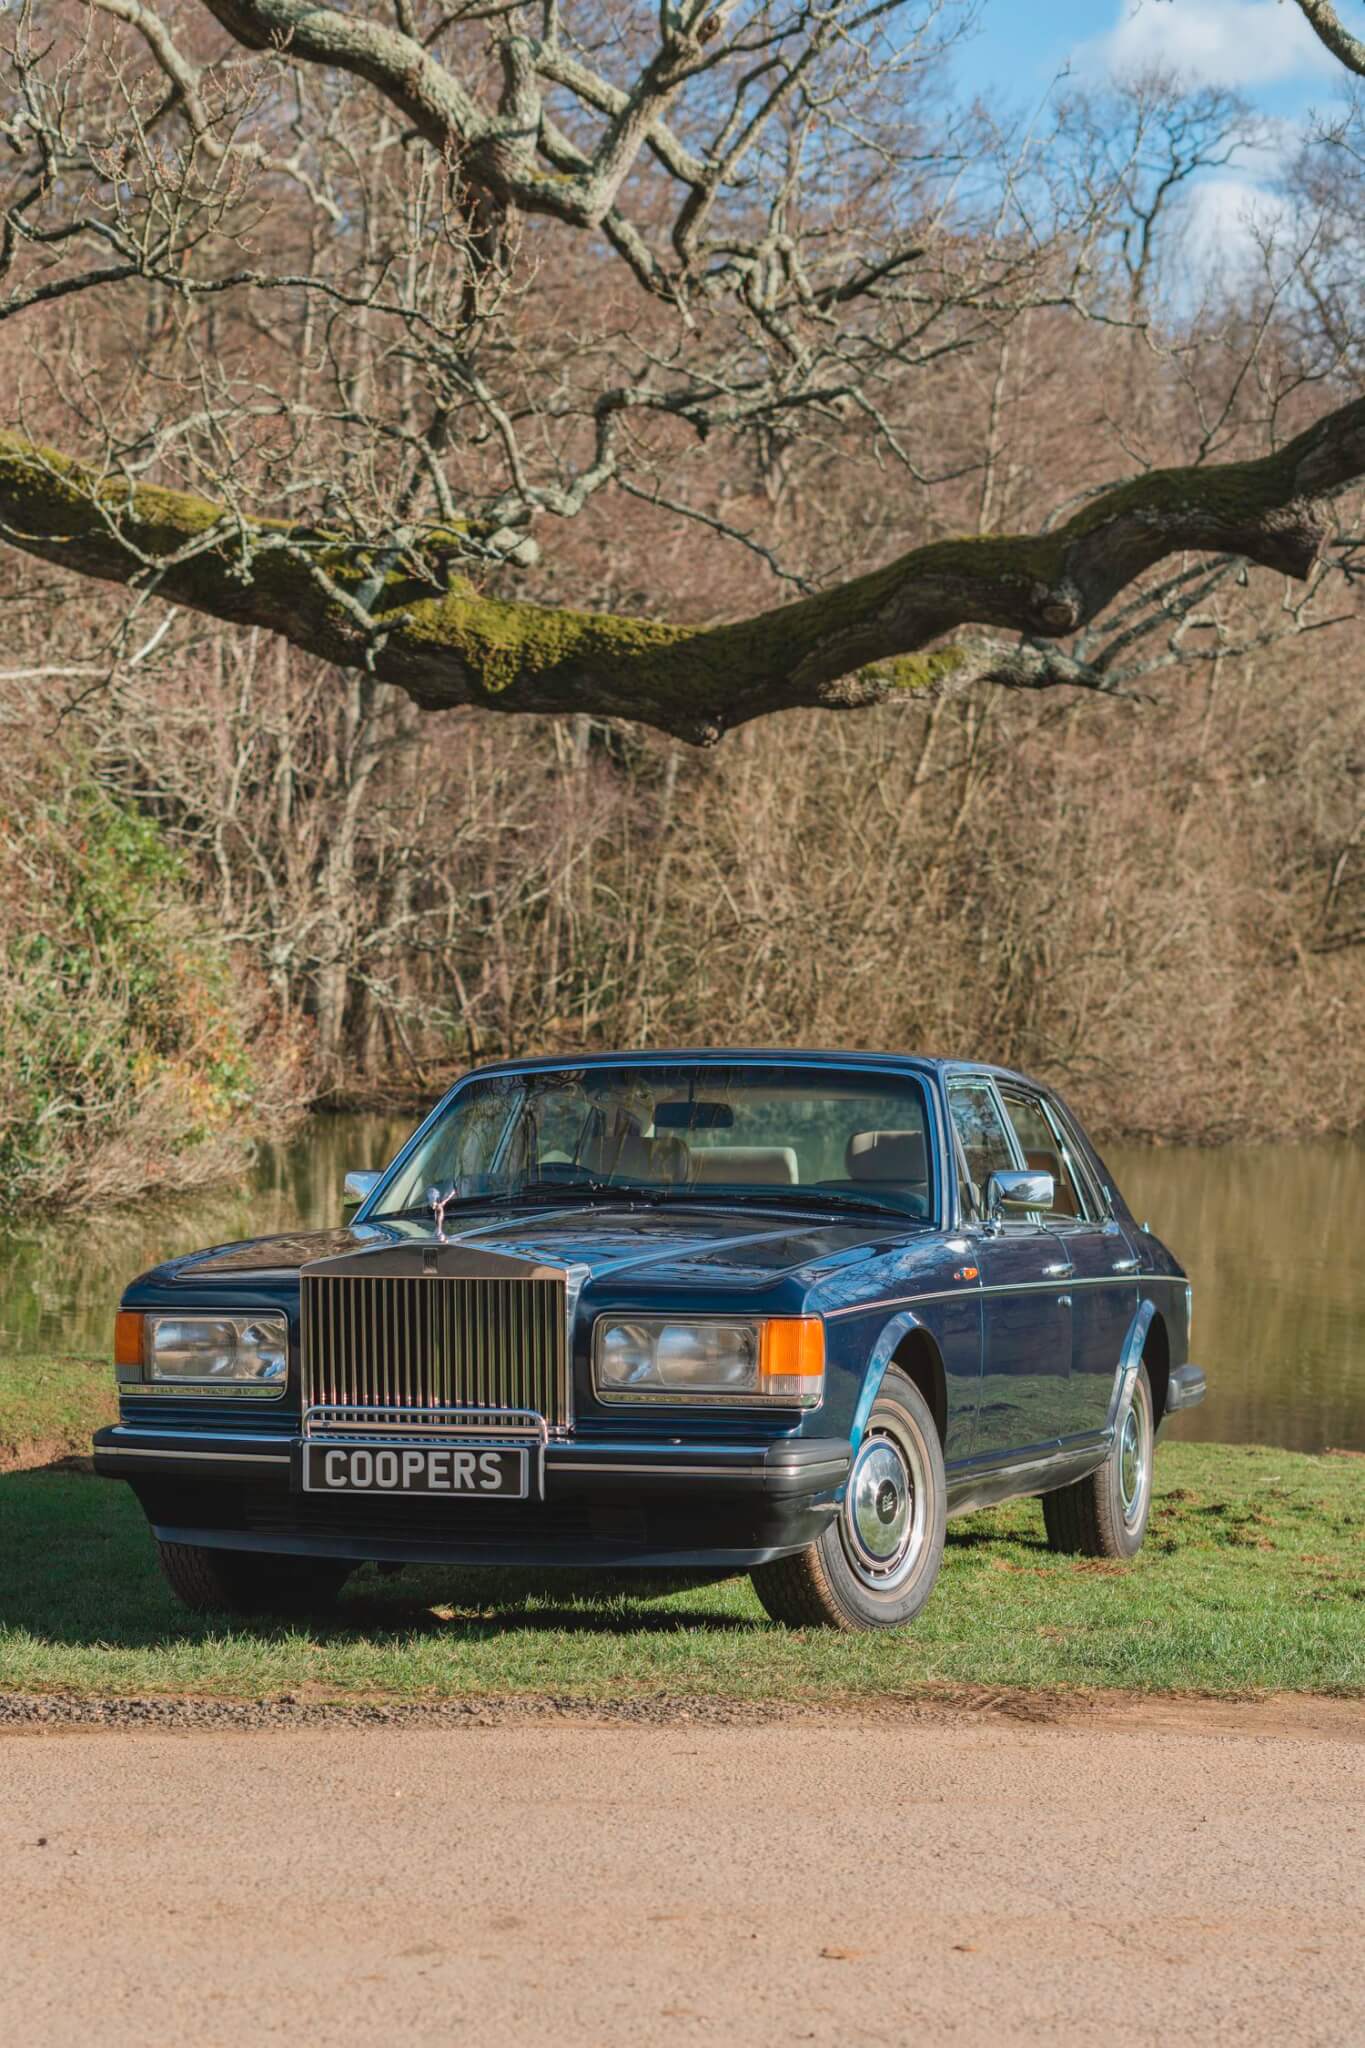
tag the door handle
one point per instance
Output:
(1126, 1265)
(1059, 1271)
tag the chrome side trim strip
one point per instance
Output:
(968, 1292)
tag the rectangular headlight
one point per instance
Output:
(779, 1360)
(222, 1354)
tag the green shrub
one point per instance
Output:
(135, 1053)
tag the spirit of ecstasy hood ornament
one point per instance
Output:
(437, 1200)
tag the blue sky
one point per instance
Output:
(1264, 48)
(1261, 48)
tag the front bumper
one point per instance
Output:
(606, 1503)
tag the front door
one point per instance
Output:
(1102, 1275)
(1026, 1303)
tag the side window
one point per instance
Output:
(1094, 1198)
(981, 1135)
(1045, 1151)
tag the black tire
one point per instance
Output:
(250, 1581)
(1106, 1514)
(896, 1491)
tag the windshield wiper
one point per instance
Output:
(589, 1190)
(548, 1192)
(785, 1198)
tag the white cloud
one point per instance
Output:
(1237, 43)
(1226, 220)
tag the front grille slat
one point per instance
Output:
(434, 1341)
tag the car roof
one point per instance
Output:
(716, 1055)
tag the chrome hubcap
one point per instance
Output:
(884, 1510)
(1132, 1465)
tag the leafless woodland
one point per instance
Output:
(691, 377)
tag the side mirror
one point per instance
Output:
(357, 1186)
(1026, 1190)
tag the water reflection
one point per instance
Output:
(1270, 1236)
(60, 1282)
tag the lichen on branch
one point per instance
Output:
(854, 644)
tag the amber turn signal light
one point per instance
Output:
(791, 1358)
(128, 1338)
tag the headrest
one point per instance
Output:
(625, 1155)
(885, 1155)
(745, 1165)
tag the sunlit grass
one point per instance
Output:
(50, 1406)
(1253, 1578)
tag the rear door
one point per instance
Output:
(1103, 1268)
(1026, 1305)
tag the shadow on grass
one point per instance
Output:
(968, 1536)
(81, 1569)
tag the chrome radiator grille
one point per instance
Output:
(441, 1341)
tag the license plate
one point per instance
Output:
(461, 1470)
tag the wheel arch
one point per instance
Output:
(1156, 1356)
(908, 1345)
(1130, 1358)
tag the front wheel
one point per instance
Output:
(876, 1565)
(250, 1581)
(1106, 1514)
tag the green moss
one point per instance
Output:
(1230, 493)
(907, 672)
(847, 644)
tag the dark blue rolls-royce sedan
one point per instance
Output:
(775, 1312)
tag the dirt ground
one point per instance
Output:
(1178, 1874)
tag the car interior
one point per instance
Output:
(891, 1160)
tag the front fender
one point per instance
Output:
(883, 1351)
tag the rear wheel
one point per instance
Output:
(250, 1581)
(876, 1565)
(1106, 1514)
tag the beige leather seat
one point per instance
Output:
(622, 1152)
(892, 1156)
(1064, 1195)
(745, 1165)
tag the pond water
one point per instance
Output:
(1270, 1236)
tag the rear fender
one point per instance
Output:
(1130, 1358)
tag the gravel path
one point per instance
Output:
(1183, 1873)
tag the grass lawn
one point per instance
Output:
(50, 1406)
(1252, 1579)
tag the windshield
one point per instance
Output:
(675, 1132)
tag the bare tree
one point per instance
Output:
(385, 307)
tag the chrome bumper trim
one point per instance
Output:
(796, 1466)
(174, 1451)
(1186, 1389)
(350, 1425)
(353, 1421)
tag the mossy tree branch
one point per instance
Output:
(852, 645)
